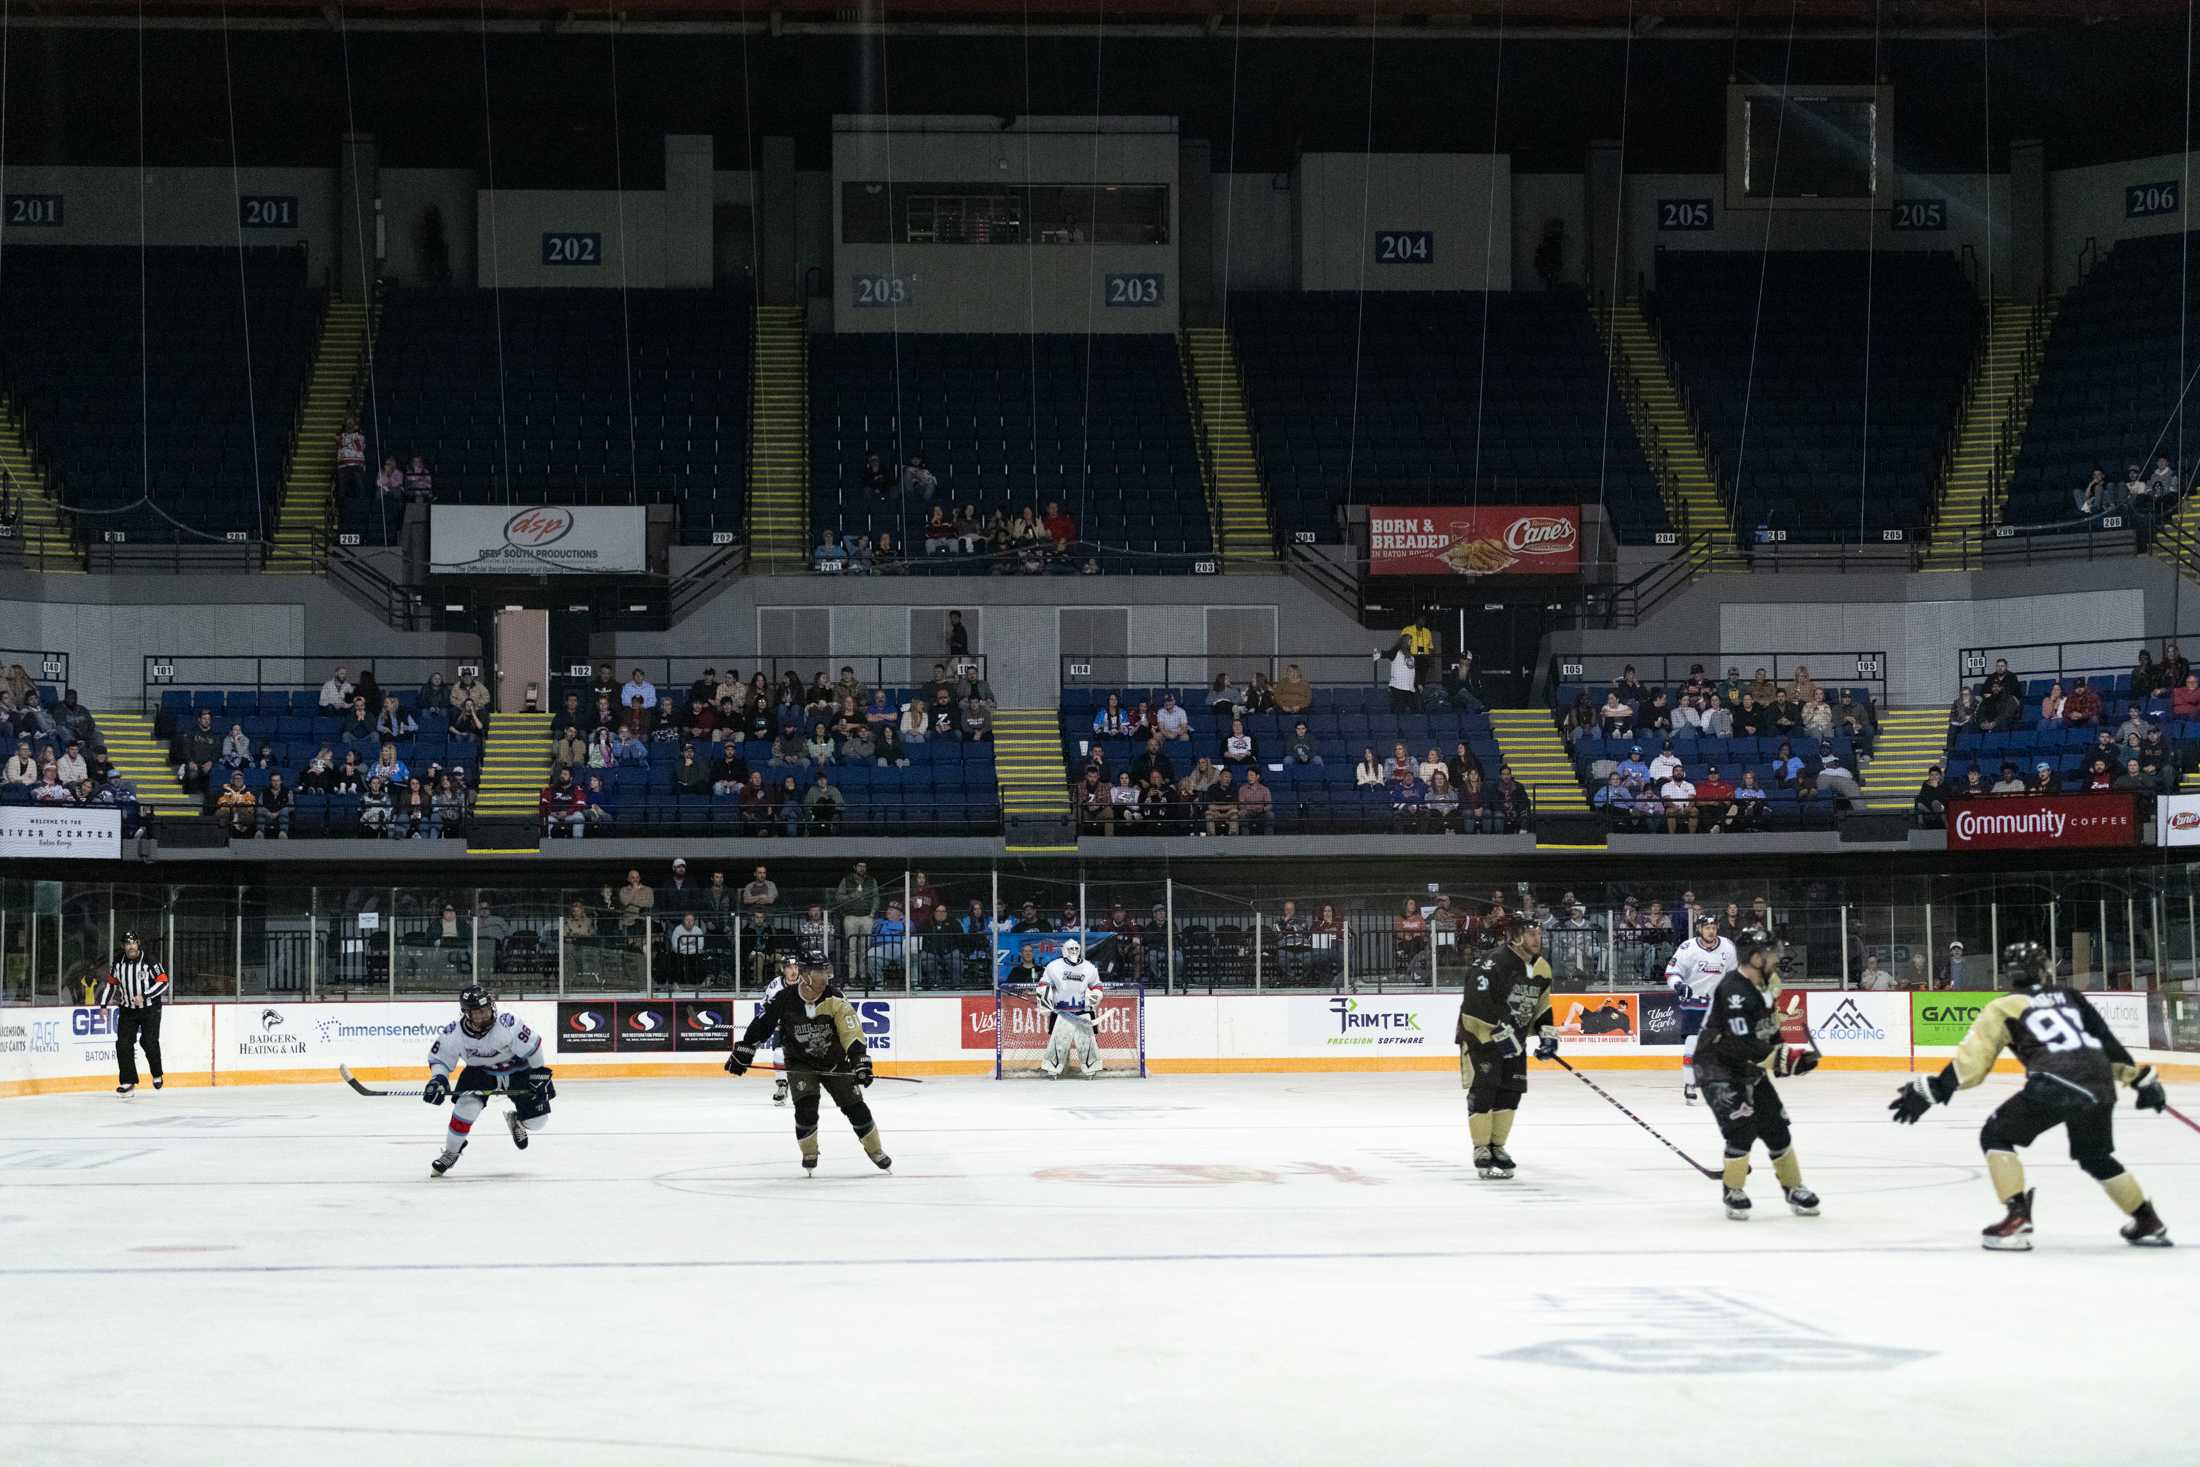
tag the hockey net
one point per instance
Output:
(1020, 1033)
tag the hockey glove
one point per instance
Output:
(538, 1080)
(2147, 1092)
(438, 1090)
(1506, 1041)
(744, 1055)
(1793, 1059)
(1921, 1094)
(863, 1073)
(1546, 1048)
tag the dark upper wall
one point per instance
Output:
(72, 95)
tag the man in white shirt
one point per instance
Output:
(336, 692)
(1876, 977)
(1838, 780)
(1405, 694)
(1666, 765)
(23, 764)
(1679, 797)
(71, 765)
(639, 688)
(1172, 721)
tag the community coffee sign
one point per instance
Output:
(2042, 822)
(543, 539)
(1511, 540)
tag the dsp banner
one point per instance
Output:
(2177, 820)
(2042, 822)
(545, 539)
(61, 832)
(1455, 540)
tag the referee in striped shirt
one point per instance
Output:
(138, 986)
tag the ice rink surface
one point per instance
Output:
(1245, 1269)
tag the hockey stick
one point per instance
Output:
(1638, 1120)
(374, 1094)
(2188, 1120)
(835, 1074)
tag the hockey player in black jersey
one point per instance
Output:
(2072, 1064)
(822, 1041)
(1508, 994)
(1736, 1058)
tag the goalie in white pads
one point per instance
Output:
(1695, 970)
(492, 1053)
(1069, 990)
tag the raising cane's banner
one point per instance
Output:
(1452, 540)
(2042, 822)
(2177, 820)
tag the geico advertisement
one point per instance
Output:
(62, 1043)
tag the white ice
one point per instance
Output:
(1244, 1269)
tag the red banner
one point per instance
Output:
(1116, 1024)
(1491, 540)
(2042, 822)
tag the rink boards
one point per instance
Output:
(272, 1042)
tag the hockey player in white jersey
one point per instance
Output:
(1697, 967)
(491, 1053)
(1069, 990)
(790, 971)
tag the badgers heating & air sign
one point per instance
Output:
(2042, 822)
(1484, 541)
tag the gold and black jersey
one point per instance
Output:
(1504, 991)
(1742, 1028)
(824, 1036)
(2050, 1031)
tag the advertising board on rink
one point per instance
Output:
(2042, 822)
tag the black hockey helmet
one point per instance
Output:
(474, 999)
(2025, 964)
(1751, 944)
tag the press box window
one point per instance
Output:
(990, 213)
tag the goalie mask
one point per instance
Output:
(1073, 951)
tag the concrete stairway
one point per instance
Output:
(1240, 502)
(142, 758)
(2000, 401)
(1661, 422)
(1529, 742)
(45, 540)
(515, 764)
(303, 515)
(1027, 765)
(1911, 740)
(779, 442)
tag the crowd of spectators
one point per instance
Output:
(59, 757)
(2148, 497)
(1030, 541)
(770, 747)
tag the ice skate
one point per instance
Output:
(124, 1089)
(518, 1128)
(1802, 1201)
(1484, 1166)
(2146, 1230)
(885, 1163)
(159, 1080)
(444, 1162)
(1501, 1163)
(1688, 1093)
(1737, 1204)
(809, 1166)
(2013, 1234)
(779, 1091)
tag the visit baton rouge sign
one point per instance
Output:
(2042, 822)
(543, 539)
(1509, 540)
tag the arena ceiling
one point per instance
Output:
(1891, 17)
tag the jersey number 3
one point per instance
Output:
(2058, 1031)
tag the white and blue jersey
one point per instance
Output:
(771, 991)
(508, 1048)
(1693, 972)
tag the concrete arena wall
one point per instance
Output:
(61, 1050)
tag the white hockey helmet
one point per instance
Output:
(1073, 951)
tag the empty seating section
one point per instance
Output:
(132, 372)
(1098, 424)
(1800, 379)
(1309, 798)
(2108, 384)
(569, 396)
(1530, 405)
(293, 725)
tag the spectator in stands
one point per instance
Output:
(1156, 805)
(2051, 706)
(2082, 708)
(412, 811)
(1095, 810)
(357, 731)
(2146, 678)
(2162, 485)
(2133, 779)
(1462, 686)
(390, 769)
(1369, 773)
(1632, 769)
(1405, 683)
(1818, 715)
(1580, 721)
(9, 512)
(1409, 942)
(375, 808)
(200, 750)
(1301, 748)
(1786, 767)
(336, 692)
(916, 722)
(691, 775)
(787, 806)
(1294, 694)
(470, 689)
(1401, 764)
(2045, 781)
(273, 817)
(1111, 721)
(1974, 784)
(946, 720)
(1616, 802)
(419, 483)
(1218, 805)
(1714, 798)
(1225, 700)
(1839, 781)
(571, 750)
(71, 765)
(824, 805)
(1203, 776)
(1237, 746)
(435, 694)
(2091, 499)
(1678, 794)
(350, 776)
(1170, 721)
(889, 752)
(394, 722)
(563, 806)
(818, 747)
(2008, 783)
(351, 460)
(1657, 714)
(639, 690)
(1256, 803)
(857, 746)
(237, 807)
(1509, 800)
(831, 556)
(730, 772)
(976, 717)
(603, 749)
(448, 811)
(390, 484)
(1750, 718)
(1059, 527)
(1124, 799)
(1665, 765)
(2099, 775)
(789, 751)
(1441, 802)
